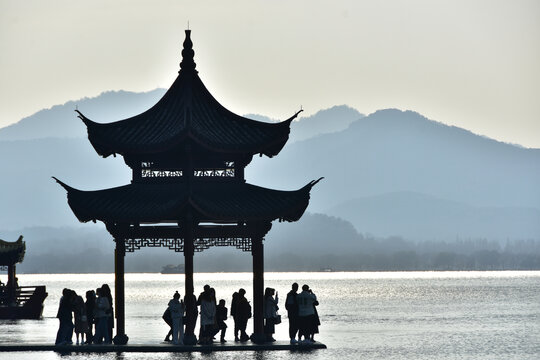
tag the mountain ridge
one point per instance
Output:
(436, 218)
(388, 151)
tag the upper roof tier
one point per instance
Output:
(186, 112)
(225, 202)
(12, 252)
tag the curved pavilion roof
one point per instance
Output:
(187, 111)
(12, 252)
(211, 200)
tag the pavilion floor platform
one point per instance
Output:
(163, 347)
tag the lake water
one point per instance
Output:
(378, 315)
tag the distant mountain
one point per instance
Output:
(371, 164)
(331, 120)
(28, 194)
(334, 119)
(393, 151)
(91, 248)
(62, 121)
(422, 217)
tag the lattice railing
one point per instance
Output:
(177, 244)
(243, 244)
(173, 244)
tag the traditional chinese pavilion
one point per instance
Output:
(188, 191)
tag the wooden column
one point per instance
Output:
(11, 285)
(188, 258)
(258, 289)
(119, 255)
(188, 222)
(190, 300)
(11, 276)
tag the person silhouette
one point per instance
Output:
(291, 304)
(306, 314)
(177, 308)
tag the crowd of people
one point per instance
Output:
(94, 318)
(301, 311)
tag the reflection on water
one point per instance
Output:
(377, 315)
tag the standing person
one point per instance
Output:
(221, 316)
(316, 322)
(234, 314)
(103, 312)
(110, 317)
(206, 290)
(243, 313)
(168, 319)
(203, 294)
(64, 315)
(306, 314)
(291, 304)
(270, 313)
(190, 302)
(208, 317)
(177, 308)
(90, 309)
(81, 320)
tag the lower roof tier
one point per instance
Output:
(208, 201)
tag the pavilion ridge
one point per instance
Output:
(188, 192)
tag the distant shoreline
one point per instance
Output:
(300, 271)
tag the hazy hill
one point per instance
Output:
(331, 120)
(90, 248)
(422, 217)
(28, 194)
(393, 151)
(62, 121)
(53, 142)
(464, 184)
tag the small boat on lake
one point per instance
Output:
(172, 269)
(18, 302)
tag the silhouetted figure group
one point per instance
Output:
(302, 314)
(180, 313)
(96, 311)
(301, 311)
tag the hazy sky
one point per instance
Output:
(472, 64)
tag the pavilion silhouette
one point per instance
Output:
(188, 192)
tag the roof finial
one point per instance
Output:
(187, 63)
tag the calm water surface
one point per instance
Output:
(382, 315)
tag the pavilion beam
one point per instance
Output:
(173, 232)
(119, 290)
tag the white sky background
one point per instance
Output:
(473, 64)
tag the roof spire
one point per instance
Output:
(187, 63)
